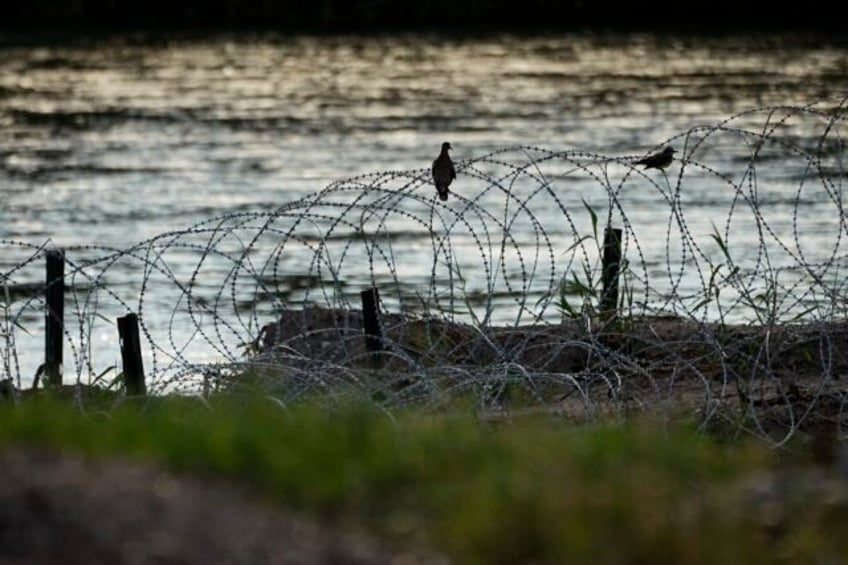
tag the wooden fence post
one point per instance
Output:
(54, 316)
(371, 322)
(610, 269)
(131, 355)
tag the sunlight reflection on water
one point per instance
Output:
(114, 143)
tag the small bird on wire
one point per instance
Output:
(659, 160)
(443, 171)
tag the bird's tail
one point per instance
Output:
(443, 194)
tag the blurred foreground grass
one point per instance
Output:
(539, 490)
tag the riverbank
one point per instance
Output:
(782, 378)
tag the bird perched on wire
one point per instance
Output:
(443, 171)
(659, 160)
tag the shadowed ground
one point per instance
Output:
(62, 508)
(788, 376)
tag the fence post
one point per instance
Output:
(611, 266)
(371, 323)
(54, 316)
(131, 355)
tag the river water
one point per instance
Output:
(107, 144)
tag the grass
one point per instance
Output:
(536, 491)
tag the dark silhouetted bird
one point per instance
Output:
(443, 171)
(659, 160)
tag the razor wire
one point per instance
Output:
(496, 289)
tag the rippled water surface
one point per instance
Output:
(119, 142)
(113, 143)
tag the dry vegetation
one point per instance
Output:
(788, 377)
